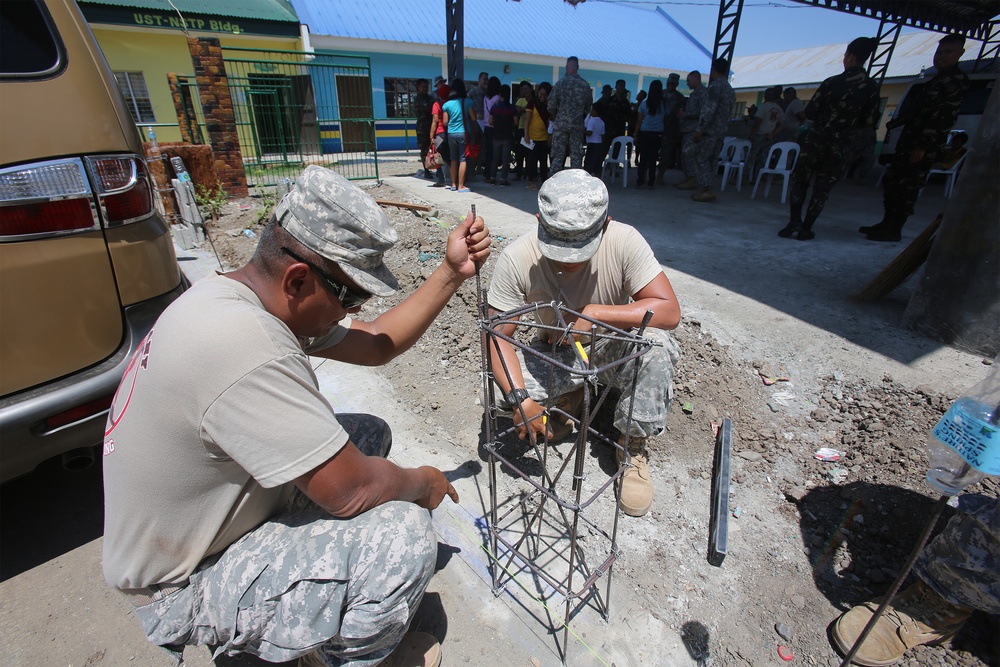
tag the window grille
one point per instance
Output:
(133, 87)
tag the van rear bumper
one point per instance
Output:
(25, 441)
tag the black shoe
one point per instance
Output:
(789, 229)
(883, 234)
(868, 229)
(806, 234)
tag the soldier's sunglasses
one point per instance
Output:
(348, 297)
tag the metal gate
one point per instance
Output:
(294, 109)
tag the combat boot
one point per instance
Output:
(687, 184)
(805, 232)
(705, 195)
(637, 486)
(917, 616)
(560, 425)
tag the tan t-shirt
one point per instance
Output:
(623, 264)
(217, 413)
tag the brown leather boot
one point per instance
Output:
(917, 616)
(637, 486)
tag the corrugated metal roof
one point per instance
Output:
(265, 10)
(813, 65)
(600, 32)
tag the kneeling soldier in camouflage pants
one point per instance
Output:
(240, 511)
(605, 270)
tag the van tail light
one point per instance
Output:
(80, 412)
(124, 189)
(45, 198)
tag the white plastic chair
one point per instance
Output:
(726, 142)
(783, 155)
(617, 157)
(735, 155)
(949, 174)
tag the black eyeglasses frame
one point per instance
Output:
(349, 298)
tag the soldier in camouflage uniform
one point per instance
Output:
(688, 124)
(617, 109)
(606, 270)
(423, 103)
(569, 105)
(958, 572)
(673, 103)
(925, 124)
(842, 104)
(716, 110)
(240, 511)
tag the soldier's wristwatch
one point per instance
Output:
(517, 396)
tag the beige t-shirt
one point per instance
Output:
(217, 413)
(623, 264)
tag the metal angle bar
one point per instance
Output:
(718, 531)
(990, 47)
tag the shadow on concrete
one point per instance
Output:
(48, 513)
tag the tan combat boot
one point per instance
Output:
(637, 486)
(687, 184)
(705, 195)
(917, 616)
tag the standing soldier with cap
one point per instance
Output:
(924, 130)
(569, 106)
(716, 110)
(842, 104)
(241, 512)
(673, 104)
(606, 270)
(688, 124)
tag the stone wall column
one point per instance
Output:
(220, 117)
(185, 115)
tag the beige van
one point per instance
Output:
(86, 262)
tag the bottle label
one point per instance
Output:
(975, 440)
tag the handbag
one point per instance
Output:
(433, 160)
(471, 142)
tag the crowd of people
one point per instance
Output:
(527, 132)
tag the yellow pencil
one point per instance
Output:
(583, 354)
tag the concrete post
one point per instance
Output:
(958, 296)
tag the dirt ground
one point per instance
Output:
(815, 537)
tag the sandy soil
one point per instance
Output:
(814, 537)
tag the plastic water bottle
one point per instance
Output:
(152, 137)
(964, 447)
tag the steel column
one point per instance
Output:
(991, 46)
(888, 34)
(455, 20)
(725, 30)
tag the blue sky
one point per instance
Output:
(767, 26)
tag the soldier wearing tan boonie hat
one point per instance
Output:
(606, 270)
(235, 493)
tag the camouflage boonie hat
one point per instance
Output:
(572, 208)
(337, 220)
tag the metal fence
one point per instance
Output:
(294, 109)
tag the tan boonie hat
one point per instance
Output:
(572, 208)
(337, 220)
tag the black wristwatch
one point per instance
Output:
(516, 397)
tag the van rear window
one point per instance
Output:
(28, 45)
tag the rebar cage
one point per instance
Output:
(557, 522)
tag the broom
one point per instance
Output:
(902, 267)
